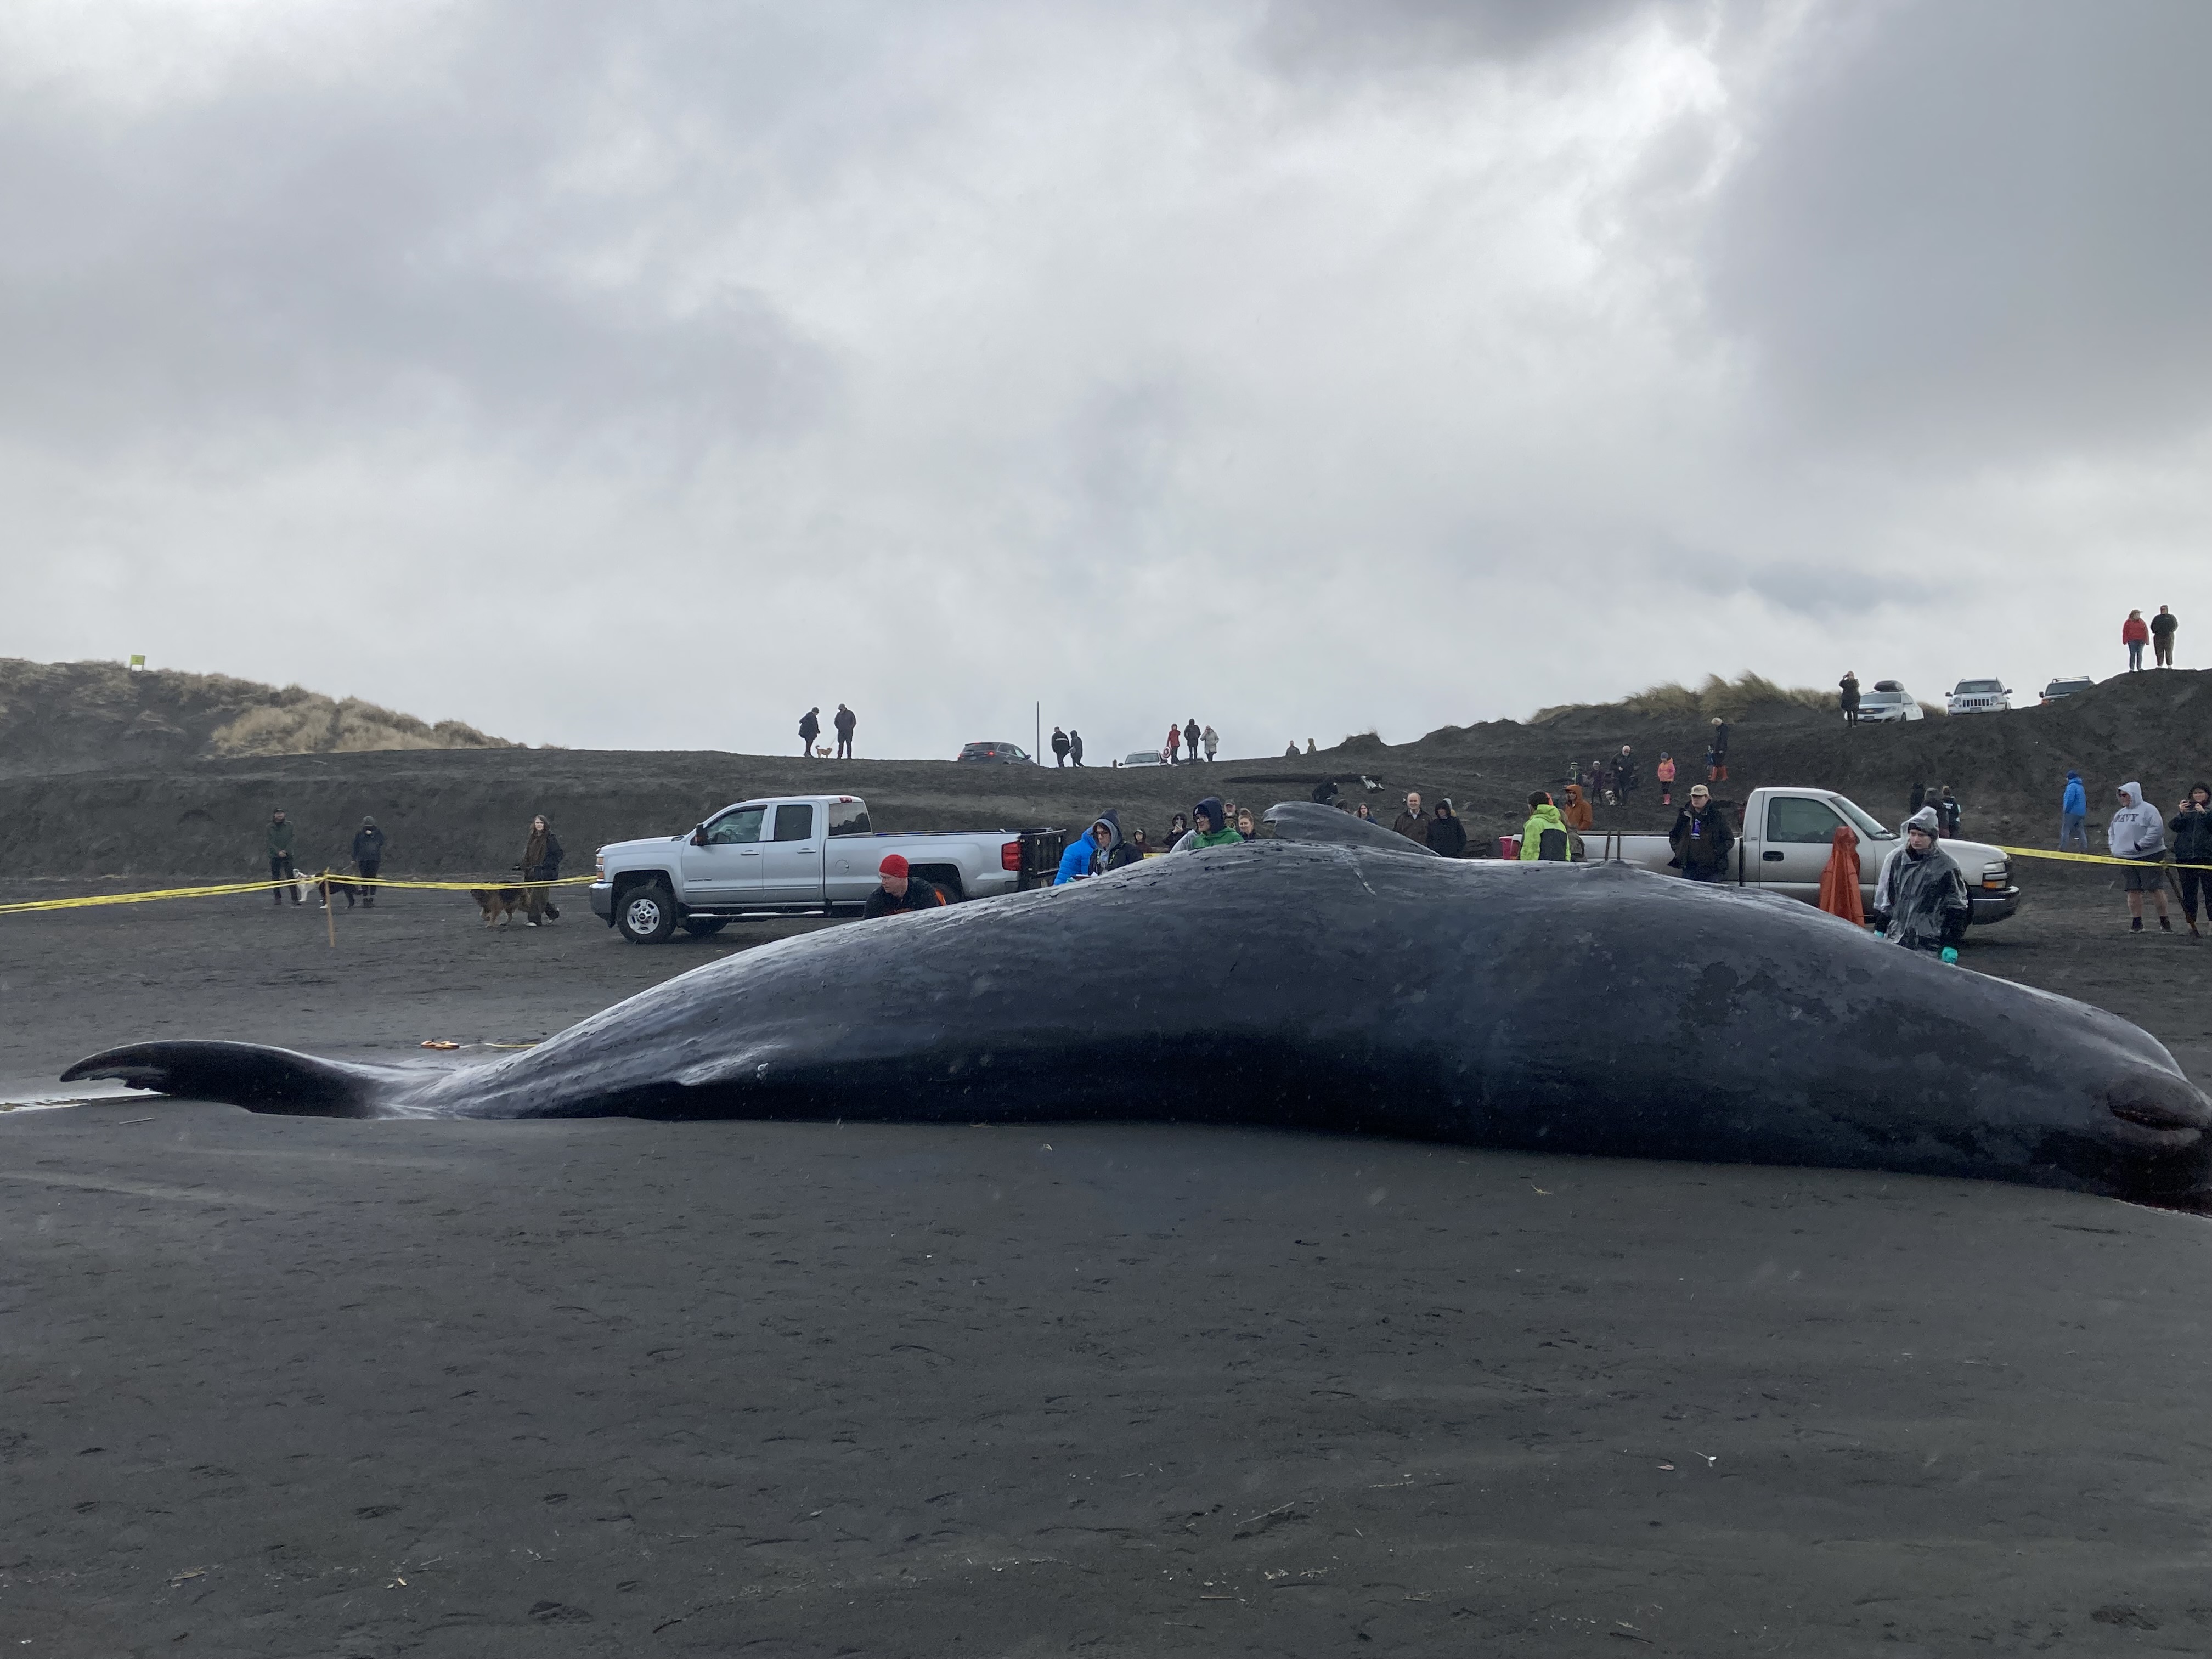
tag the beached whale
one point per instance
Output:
(1584, 1008)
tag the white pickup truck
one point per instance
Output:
(1782, 846)
(794, 855)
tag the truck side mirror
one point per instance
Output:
(699, 836)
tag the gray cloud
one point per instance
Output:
(326, 259)
(1098, 354)
(1980, 225)
(1319, 38)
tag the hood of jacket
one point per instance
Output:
(1211, 811)
(2136, 830)
(1111, 817)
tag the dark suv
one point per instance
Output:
(1013, 754)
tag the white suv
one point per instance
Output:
(1888, 701)
(1978, 697)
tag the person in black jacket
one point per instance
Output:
(1849, 686)
(845, 721)
(1447, 835)
(1948, 813)
(1701, 838)
(2190, 832)
(810, 727)
(900, 889)
(1058, 747)
(1716, 768)
(541, 861)
(368, 856)
(1190, 736)
(1074, 747)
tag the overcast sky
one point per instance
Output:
(638, 375)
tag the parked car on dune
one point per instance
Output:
(1888, 701)
(1142, 757)
(1978, 697)
(1011, 754)
(2066, 688)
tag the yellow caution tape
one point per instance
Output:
(2095, 858)
(219, 890)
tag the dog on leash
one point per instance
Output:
(498, 904)
(326, 884)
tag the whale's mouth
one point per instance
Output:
(2156, 1115)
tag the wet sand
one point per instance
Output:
(274, 1386)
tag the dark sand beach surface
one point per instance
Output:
(283, 1386)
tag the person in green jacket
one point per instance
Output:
(1211, 828)
(280, 856)
(1544, 835)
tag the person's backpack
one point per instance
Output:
(1551, 847)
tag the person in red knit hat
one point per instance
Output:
(901, 889)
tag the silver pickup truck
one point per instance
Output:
(1784, 843)
(795, 854)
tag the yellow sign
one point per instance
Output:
(138, 662)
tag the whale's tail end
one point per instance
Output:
(261, 1080)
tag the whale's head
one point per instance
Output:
(2110, 1108)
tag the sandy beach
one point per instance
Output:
(277, 1386)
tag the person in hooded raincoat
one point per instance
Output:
(1575, 811)
(1921, 901)
(2073, 816)
(2137, 834)
(1447, 835)
(1098, 851)
(1210, 827)
(1544, 836)
(1839, 881)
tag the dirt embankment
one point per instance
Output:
(466, 811)
(80, 716)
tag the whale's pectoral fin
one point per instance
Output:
(245, 1074)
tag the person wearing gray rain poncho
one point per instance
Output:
(1921, 901)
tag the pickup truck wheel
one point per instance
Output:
(945, 877)
(646, 915)
(704, 927)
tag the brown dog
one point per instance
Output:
(498, 904)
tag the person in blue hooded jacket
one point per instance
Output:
(2073, 814)
(1099, 851)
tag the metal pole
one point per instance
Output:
(1038, 751)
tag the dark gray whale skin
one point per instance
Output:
(1583, 1008)
(1302, 820)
